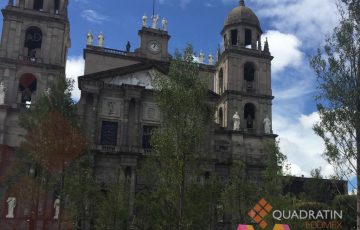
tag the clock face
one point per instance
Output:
(154, 46)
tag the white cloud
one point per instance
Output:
(308, 19)
(181, 3)
(74, 68)
(93, 16)
(300, 144)
(285, 48)
(209, 5)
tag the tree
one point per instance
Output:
(113, 206)
(241, 194)
(56, 151)
(337, 67)
(180, 186)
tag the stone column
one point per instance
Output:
(125, 123)
(93, 119)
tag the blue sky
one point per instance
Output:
(295, 29)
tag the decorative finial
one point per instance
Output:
(266, 46)
(242, 2)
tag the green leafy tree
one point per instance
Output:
(337, 67)
(113, 205)
(241, 194)
(56, 151)
(178, 153)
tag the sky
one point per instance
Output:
(294, 28)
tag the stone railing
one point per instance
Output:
(30, 60)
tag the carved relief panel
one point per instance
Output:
(151, 112)
(111, 107)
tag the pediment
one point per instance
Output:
(143, 78)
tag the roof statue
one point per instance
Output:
(89, 39)
(164, 24)
(211, 59)
(155, 19)
(101, 40)
(201, 57)
(144, 20)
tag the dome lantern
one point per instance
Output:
(242, 28)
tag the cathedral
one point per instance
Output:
(117, 103)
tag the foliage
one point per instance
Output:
(176, 200)
(338, 75)
(346, 203)
(337, 67)
(53, 160)
(241, 194)
(113, 206)
(238, 196)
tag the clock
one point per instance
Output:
(154, 46)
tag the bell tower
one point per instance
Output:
(33, 50)
(243, 75)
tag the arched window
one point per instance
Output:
(38, 4)
(249, 115)
(248, 38)
(249, 75)
(27, 86)
(33, 40)
(221, 81)
(234, 37)
(221, 117)
(56, 6)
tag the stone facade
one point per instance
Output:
(117, 104)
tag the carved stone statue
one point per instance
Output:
(267, 125)
(48, 91)
(57, 208)
(89, 39)
(128, 46)
(164, 24)
(101, 40)
(236, 120)
(144, 20)
(155, 19)
(11, 201)
(211, 59)
(2, 93)
(201, 57)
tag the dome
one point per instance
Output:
(242, 14)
